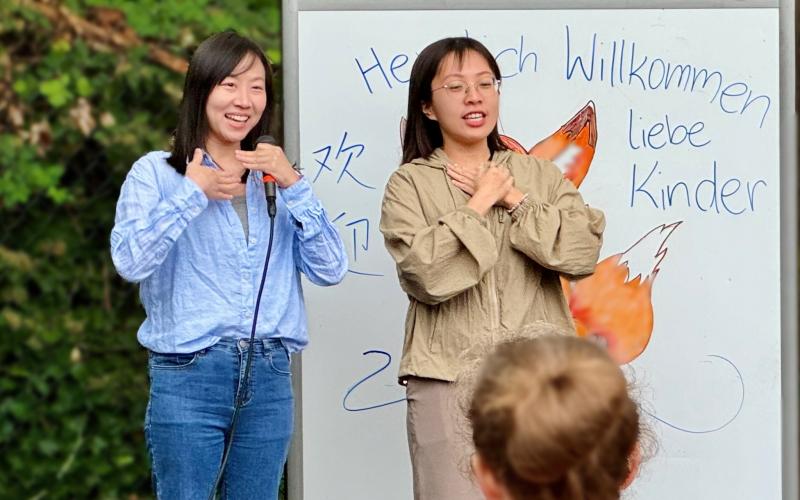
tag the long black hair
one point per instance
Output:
(423, 135)
(212, 62)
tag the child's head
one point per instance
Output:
(551, 418)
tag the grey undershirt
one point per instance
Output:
(240, 205)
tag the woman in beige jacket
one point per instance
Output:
(480, 236)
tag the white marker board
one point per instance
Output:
(687, 164)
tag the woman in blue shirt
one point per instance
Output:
(192, 229)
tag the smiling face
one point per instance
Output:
(235, 105)
(465, 118)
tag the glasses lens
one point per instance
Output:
(486, 86)
(456, 87)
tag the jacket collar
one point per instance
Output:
(438, 159)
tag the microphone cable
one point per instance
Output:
(240, 392)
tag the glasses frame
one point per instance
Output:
(471, 85)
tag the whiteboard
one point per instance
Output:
(687, 168)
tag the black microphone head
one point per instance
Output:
(267, 139)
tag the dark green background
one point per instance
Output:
(86, 87)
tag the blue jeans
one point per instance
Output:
(192, 397)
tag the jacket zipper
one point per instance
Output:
(494, 313)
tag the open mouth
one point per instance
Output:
(236, 117)
(475, 118)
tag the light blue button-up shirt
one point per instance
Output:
(197, 273)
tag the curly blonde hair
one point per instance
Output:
(552, 418)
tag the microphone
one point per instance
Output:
(269, 181)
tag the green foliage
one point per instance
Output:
(75, 113)
(30, 175)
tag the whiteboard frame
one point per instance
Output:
(788, 175)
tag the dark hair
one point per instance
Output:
(423, 135)
(552, 418)
(212, 62)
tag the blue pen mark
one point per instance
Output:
(607, 62)
(396, 73)
(362, 273)
(365, 222)
(358, 227)
(353, 387)
(719, 427)
(343, 157)
(712, 193)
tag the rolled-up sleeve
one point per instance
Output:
(146, 226)
(435, 262)
(318, 249)
(562, 233)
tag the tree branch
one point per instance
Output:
(107, 37)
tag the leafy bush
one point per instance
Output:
(86, 87)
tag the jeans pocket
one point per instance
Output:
(279, 361)
(172, 361)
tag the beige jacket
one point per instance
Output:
(469, 277)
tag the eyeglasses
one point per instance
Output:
(485, 86)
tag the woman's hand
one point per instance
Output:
(270, 160)
(488, 185)
(216, 184)
(465, 178)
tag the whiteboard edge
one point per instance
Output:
(789, 250)
(291, 144)
(789, 216)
